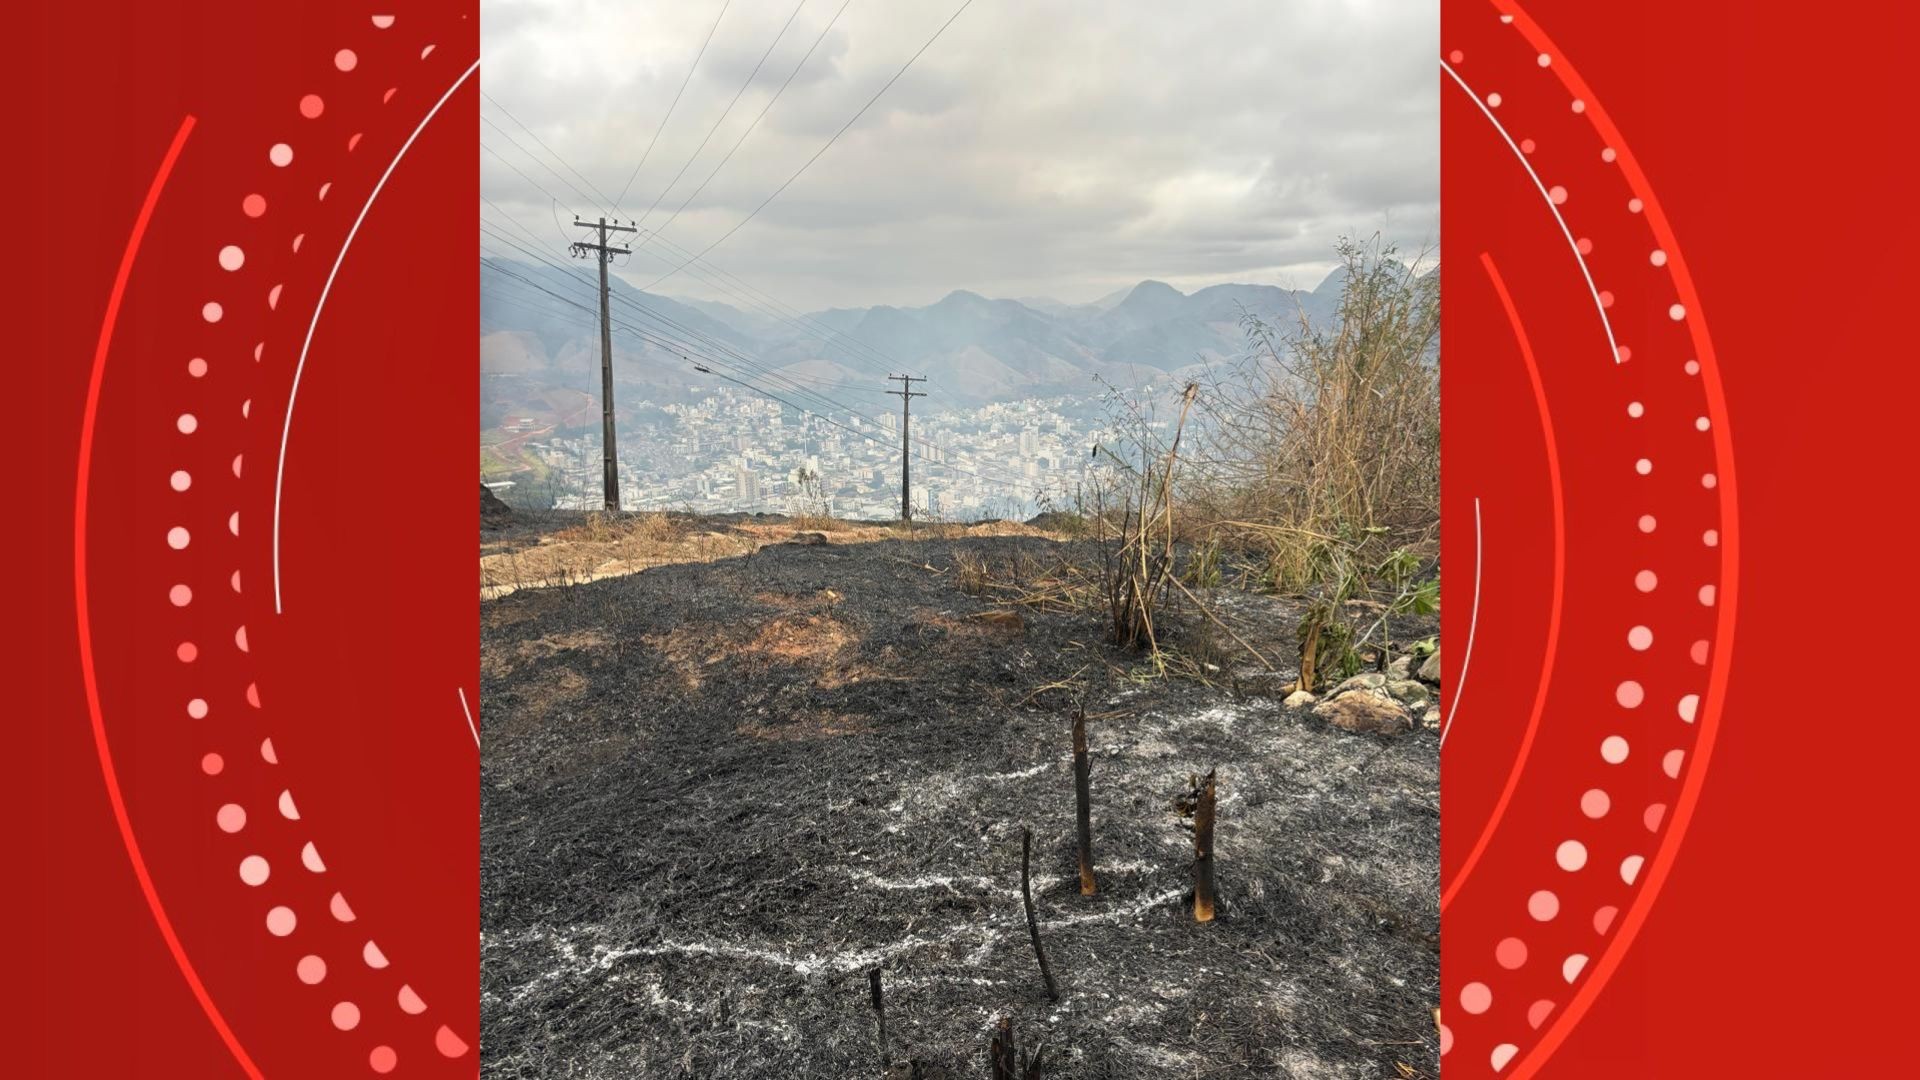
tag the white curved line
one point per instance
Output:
(280, 469)
(1473, 624)
(476, 731)
(1571, 242)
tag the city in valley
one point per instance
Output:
(725, 409)
(729, 450)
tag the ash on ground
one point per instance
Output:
(716, 794)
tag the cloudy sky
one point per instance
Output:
(1063, 149)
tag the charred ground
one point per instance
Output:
(715, 794)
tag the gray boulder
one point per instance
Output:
(1369, 680)
(1410, 691)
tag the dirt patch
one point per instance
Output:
(542, 700)
(585, 640)
(811, 639)
(559, 686)
(685, 651)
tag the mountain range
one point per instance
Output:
(977, 349)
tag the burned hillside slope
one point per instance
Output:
(715, 795)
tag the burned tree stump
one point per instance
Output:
(879, 1015)
(1033, 921)
(1083, 802)
(1006, 1060)
(1000, 1052)
(1203, 852)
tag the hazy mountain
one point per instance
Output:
(977, 348)
(1045, 303)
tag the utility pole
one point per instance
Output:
(603, 254)
(906, 393)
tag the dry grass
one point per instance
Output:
(823, 523)
(970, 573)
(1317, 458)
(1323, 448)
(1139, 569)
(501, 663)
(601, 527)
(598, 545)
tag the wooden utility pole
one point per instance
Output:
(603, 254)
(906, 393)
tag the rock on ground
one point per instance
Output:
(1430, 671)
(1411, 691)
(1369, 680)
(1365, 711)
(494, 514)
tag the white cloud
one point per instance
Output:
(1064, 148)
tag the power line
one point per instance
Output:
(756, 120)
(536, 138)
(691, 68)
(684, 347)
(822, 404)
(707, 364)
(537, 161)
(771, 305)
(656, 316)
(674, 324)
(831, 384)
(805, 323)
(728, 111)
(824, 147)
(859, 347)
(497, 156)
(688, 352)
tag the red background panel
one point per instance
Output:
(1774, 139)
(1771, 141)
(239, 733)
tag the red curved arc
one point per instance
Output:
(1711, 707)
(1559, 585)
(80, 488)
